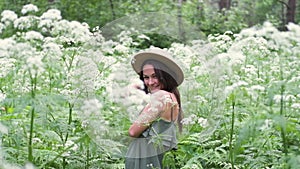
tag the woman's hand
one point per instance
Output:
(152, 111)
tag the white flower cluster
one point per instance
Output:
(221, 42)
(255, 91)
(285, 98)
(85, 75)
(33, 35)
(91, 107)
(268, 123)
(25, 22)
(229, 89)
(51, 14)
(295, 105)
(73, 146)
(52, 51)
(193, 119)
(35, 65)
(8, 17)
(6, 65)
(29, 8)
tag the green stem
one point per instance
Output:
(283, 132)
(69, 120)
(50, 81)
(30, 156)
(87, 158)
(283, 126)
(33, 90)
(62, 152)
(231, 134)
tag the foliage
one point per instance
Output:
(205, 15)
(66, 97)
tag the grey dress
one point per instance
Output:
(147, 151)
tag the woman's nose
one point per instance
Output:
(151, 80)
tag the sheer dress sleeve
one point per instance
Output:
(160, 102)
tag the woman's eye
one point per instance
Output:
(146, 77)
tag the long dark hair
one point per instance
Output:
(169, 84)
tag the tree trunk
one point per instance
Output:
(224, 4)
(199, 14)
(179, 17)
(290, 11)
(112, 9)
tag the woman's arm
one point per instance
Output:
(158, 104)
(139, 125)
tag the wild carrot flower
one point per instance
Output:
(6, 65)
(91, 107)
(33, 35)
(295, 105)
(35, 65)
(51, 14)
(8, 16)
(25, 22)
(29, 8)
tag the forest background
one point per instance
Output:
(65, 81)
(208, 16)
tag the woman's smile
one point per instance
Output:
(150, 78)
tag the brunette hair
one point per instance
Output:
(169, 84)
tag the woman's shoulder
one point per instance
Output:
(160, 93)
(164, 96)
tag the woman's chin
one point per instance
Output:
(154, 90)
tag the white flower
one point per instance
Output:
(296, 105)
(122, 48)
(189, 120)
(70, 143)
(25, 22)
(229, 89)
(35, 65)
(7, 44)
(29, 8)
(250, 69)
(91, 107)
(277, 98)
(51, 14)
(203, 122)
(2, 27)
(293, 27)
(36, 140)
(294, 79)
(52, 50)
(29, 166)
(8, 16)
(6, 66)
(257, 87)
(289, 98)
(267, 124)
(33, 35)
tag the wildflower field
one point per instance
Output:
(66, 96)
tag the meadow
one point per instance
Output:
(66, 96)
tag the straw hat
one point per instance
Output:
(159, 55)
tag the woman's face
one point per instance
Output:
(150, 78)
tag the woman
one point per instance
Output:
(154, 130)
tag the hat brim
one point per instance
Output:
(160, 56)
